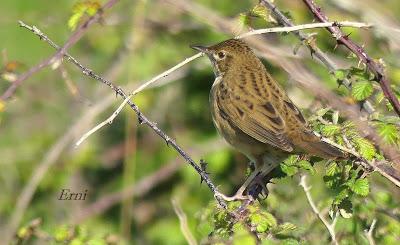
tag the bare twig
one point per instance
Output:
(305, 27)
(109, 120)
(60, 51)
(183, 222)
(315, 51)
(390, 152)
(369, 233)
(304, 78)
(329, 226)
(136, 91)
(141, 117)
(373, 67)
(187, 60)
(49, 159)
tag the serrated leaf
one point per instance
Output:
(365, 147)
(307, 166)
(362, 90)
(285, 228)
(360, 187)
(342, 195)
(388, 132)
(340, 74)
(322, 111)
(290, 170)
(243, 19)
(262, 221)
(346, 209)
(332, 169)
(330, 130)
(88, 7)
(260, 11)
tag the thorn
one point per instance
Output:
(336, 45)
(167, 140)
(337, 24)
(203, 166)
(347, 35)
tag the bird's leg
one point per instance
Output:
(255, 178)
(259, 178)
(240, 193)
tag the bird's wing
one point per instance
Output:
(255, 116)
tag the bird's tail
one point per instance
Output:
(325, 150)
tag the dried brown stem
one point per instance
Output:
(373, 67)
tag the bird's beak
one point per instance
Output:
(200, 48)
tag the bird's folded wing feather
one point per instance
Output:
(257, 118)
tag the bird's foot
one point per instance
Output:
(239, 196)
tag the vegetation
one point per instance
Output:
(139, 189)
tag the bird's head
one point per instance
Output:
(229, 54)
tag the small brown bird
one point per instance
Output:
(254, 114)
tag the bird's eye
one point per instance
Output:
(221, 55)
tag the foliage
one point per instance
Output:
(136, 40)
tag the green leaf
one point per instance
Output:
(340, 74)
(260, 11)
(307, 166)
(332, 169)
(290, 241)
(360, 187)
(81, 8)
(330, 130)
(290, 170)
(365, 147)
(343, 194)
(285, 228)
(346, 209)
(362, 90)
(388, 132)
(243, 19)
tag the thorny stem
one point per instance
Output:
(141, 117)
(373, 67)
(315, 51)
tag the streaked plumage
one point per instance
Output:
(253, 112)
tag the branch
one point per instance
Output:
(110, 119)
(60, 51)
(305, 27)
(187, 60)
(390, 152)
(141, 117)
(183, 222)
(315, 51)
(372, 66)
(369, 233)
(329, 226)
(305, 79)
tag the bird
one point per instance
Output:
(253, 113)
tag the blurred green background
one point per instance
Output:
(135, 41)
